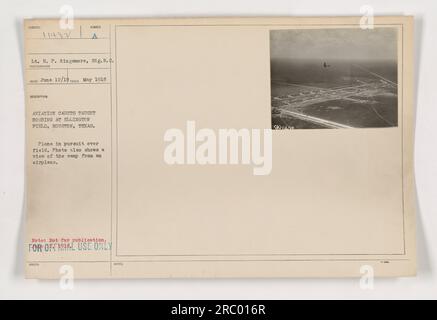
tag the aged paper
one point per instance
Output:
(219, 147)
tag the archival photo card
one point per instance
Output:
(334, 78)
(150, 154)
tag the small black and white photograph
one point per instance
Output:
(334, 78)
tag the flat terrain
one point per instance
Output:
(308, 95)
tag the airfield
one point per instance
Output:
(336, 97)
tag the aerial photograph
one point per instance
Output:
(334, 78)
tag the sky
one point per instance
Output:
(325, 44)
